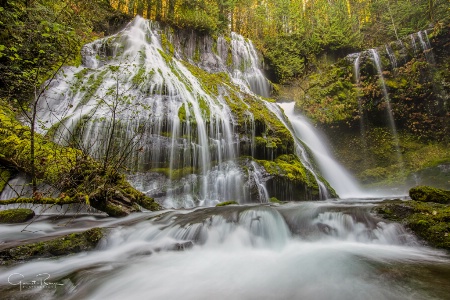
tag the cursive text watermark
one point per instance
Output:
(42, 281)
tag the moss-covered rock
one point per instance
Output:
(291, 181)
(429, 194)
(429, 221)
(17, 215)
(68, 244)
(226, 203)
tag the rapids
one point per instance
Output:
(309, 250)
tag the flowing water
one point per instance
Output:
(310, 250)
(332, 171)
(393, 127)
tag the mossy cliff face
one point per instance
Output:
(354, 115)
(65, 245)
(428, 220)
(80, 178)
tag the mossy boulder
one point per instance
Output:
(429, 221)
(227, 203)
(429, 194)
(17, 215)
(68, 244)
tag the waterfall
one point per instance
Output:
(167, 121)
(300, 150)
(332, 171)
(377, 62)
(246, 70)
(426, 46)
(392, 57)
(357, 75)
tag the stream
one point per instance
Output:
(308, 250)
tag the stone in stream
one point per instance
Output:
(18, 215)
(68, 244)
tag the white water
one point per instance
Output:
(393, 127)
(332, 171)
(299, 251)
(168, 122)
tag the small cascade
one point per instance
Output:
(392, 57)
(300, 149)
(377, 62)
(246, 70)
(426, 46)
(413, 42)
(335, 174)
(357, 74)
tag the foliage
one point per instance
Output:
(79, 177)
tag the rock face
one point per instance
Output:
(18, 215)
(430, 194)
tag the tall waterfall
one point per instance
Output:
(377, 62)
(332, 171)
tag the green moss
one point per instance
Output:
(227, 203)
(5, 175)
(429, 221)
(429, 194)
(166, 44)
(274, 200)
(18, 215)
(68, 244)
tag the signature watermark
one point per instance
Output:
(42, 282)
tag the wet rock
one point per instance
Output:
(18, 215)
(68, 244)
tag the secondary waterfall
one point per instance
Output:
(377, 62)
(332, 171)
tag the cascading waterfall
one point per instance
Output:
(335, 174)
(377, 62)
(168, 122)
(246, 66)
(300, 149)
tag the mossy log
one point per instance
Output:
(79, 177)
(68, 244)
